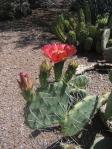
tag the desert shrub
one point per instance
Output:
(6, 10)
(10, 9)
(97, 7)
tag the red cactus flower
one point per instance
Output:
(25, 83)
(59, 52)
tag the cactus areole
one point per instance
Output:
(59, 52)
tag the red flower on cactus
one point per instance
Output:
(25, 83)
(59, 52)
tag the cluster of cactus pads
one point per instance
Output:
(61, 102)
(77, 29)
(65, 102)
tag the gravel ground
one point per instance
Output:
(20, 43)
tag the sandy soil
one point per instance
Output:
(20, 43)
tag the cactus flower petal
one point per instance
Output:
(25, 83)
(59, 52)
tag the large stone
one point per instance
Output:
(107, 51)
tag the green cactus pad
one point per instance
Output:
(79, 116)
(79, 81)
(76, 95)
(49, 107)
(106, 112)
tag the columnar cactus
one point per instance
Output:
(71, 39)
(88, 44)
(79, 30)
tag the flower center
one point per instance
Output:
(58, 51)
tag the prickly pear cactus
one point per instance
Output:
(79, 116)
(49, 106)
(80, 81)
(106, 110)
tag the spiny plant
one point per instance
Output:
(64, 101)
(51, 103)
(106, 110)
(10, 9)
(78, 29)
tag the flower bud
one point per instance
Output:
(44, 73)
(45, 66)
(25, 83)
(73, 64)
(71, 70)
